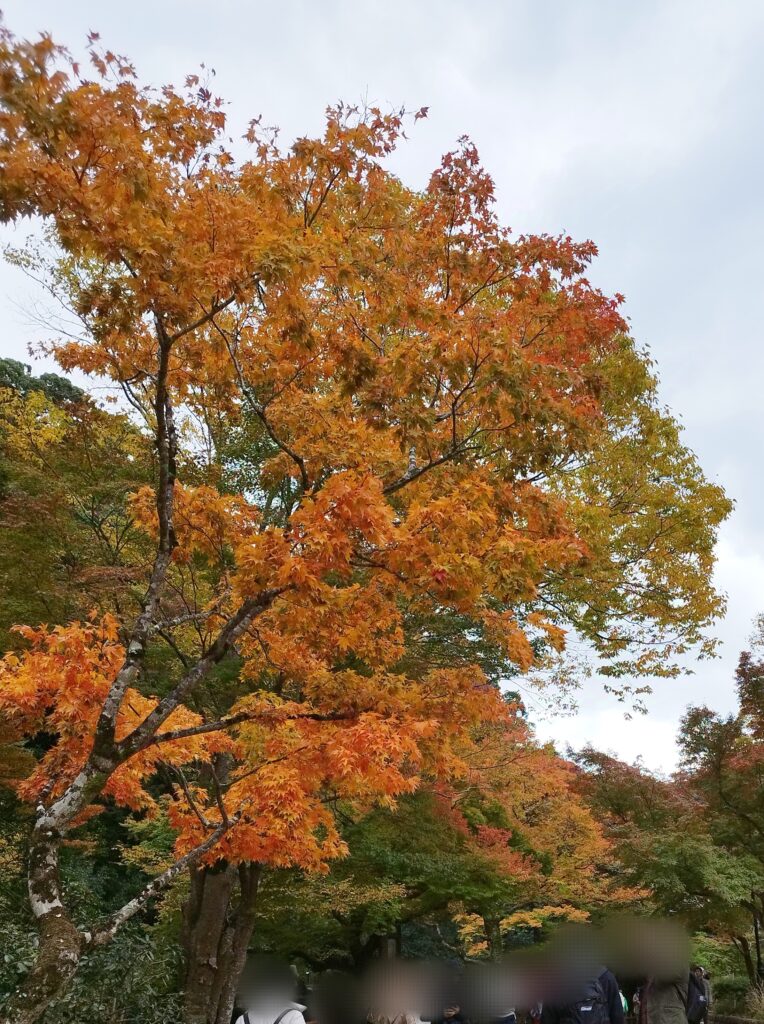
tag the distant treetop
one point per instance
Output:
(17, 375)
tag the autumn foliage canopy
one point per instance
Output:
(373, 417)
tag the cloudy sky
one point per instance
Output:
(638, 125)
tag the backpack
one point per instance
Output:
(276, 1021)
(592, 1008)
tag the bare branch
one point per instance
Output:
(109, 928)
(189, 796)
(414, 472)
(219, 794)
(217, 307)
(236, 625)
(259, 410)
(221, 724)
(188, 617)
(333, 177)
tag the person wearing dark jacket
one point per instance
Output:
(453, 1015)
(612, 991)
(576, 1012)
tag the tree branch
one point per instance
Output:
(217, 307)
(143, 734)
(166, 440)
(414, 472)
(259, 410)
(106, 931)
(245, 716)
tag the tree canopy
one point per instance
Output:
(387, 456)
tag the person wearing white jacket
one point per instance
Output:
(270, 990)
(275, 1013)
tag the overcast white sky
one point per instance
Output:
(638, 125)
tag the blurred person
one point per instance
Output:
(337, 1000)
(635, 1001)
(452, 1015)
(491, 992)
(679, 1000)
(583, 989)
(393, 992)
(657, 951)
(664, 1001)
(698, 996)
(709, 990)
(596, 1001)
(510, 1017)
(268, 992)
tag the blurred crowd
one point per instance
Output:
(633, 972)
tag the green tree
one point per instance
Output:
(66, 470)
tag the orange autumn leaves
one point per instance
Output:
(372, 395)
(284, 756)
(57, 687)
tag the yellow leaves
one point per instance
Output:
(515, 639)
(347, 894)
(12, 853)
(30, 424)
(265, 560)
(518, 647)
(539, 917)
(471, 931)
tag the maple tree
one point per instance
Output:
(371, 409)
(520, 807)
(457, 867)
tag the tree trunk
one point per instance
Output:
(744, 946)
(57, 961)
(238, 944)
(492, 929)
(218, 920)
(60, 943)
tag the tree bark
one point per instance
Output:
(744, 946)
(218, 921)
(492, 930)
(60, 949)
(60, 943)
(240, 934)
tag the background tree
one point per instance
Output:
(67, 468)
(458, 870)
(689, 840)
(723, 756)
